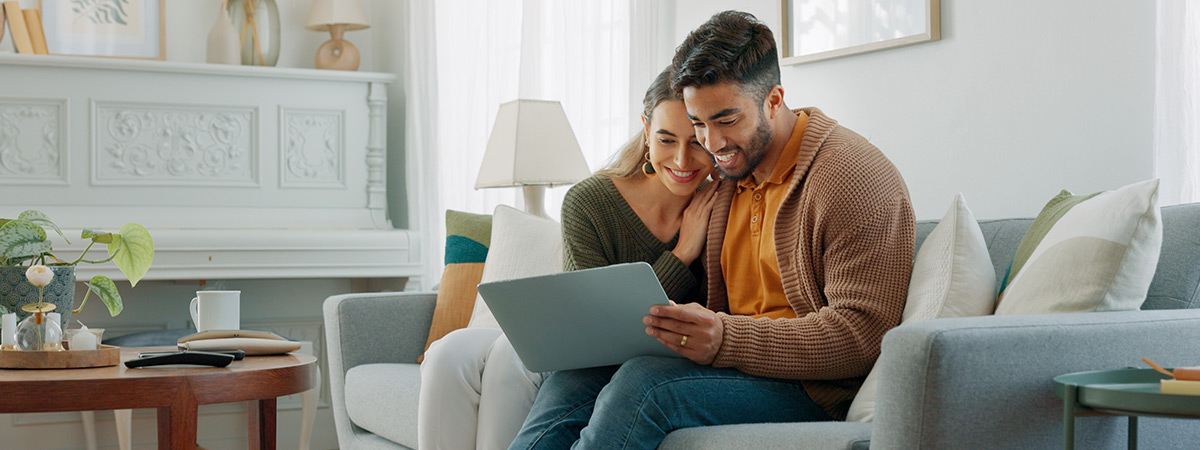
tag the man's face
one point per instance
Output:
(730, 125)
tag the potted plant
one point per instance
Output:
(25, 243)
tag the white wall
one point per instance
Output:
(1018, 100)
(188, 22)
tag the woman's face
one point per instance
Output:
(678, 159)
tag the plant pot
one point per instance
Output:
(15, 290)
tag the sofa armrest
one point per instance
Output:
(372, 328)
(367, 329)
(988, 381)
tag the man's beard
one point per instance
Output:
(754, 154)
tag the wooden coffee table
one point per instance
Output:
(176, 392)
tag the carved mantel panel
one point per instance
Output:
(239, 172)
(166, 145)
(33, 141)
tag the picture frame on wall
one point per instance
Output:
(134, 29)
(816, 30)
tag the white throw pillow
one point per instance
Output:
(952, 276)
(1090, 253)
(523, 245)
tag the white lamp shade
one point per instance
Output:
(324, 13)
(531, 145)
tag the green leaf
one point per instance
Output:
(98, 237)
(41, 220)
(107, 290)
(4, 310)
(133, 251)
(21, 238)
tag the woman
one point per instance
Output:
(646, 206)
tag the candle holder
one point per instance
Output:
(71, 339)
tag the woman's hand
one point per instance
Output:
(693, 231)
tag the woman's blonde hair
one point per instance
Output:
(628, 162)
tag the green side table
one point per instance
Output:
(1121, 392)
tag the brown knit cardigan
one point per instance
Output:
(844, 239)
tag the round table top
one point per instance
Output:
(119, 387)
(1127, 391)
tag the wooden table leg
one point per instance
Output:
(260, 416)
(177, 427)
(177, 423)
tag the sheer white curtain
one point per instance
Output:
(1177, 101)
(469, 56)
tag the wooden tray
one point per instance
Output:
(106, 356)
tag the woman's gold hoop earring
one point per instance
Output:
(648, 168)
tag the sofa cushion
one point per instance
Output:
(1177, 281)
(523, 245)
(467, 239)
(382, 399)
(952, 276)
(839, 435)
(1087, 253)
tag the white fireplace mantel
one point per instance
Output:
(238, 172)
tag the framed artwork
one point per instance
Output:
(108, 28)
(815, 30)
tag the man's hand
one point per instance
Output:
(690, 330)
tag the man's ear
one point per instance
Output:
(773, 101)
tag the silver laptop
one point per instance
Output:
(578, 319)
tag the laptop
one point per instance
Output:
(578, 319)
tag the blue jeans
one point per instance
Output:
(636, 404)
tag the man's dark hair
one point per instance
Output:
(733, 46)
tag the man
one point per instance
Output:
(808, 258)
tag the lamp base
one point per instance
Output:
(535, 200)
(337, 53)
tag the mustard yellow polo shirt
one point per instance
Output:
(748, 258)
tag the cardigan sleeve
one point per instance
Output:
(858, 242)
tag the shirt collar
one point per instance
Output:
(787, 160)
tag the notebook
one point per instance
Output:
(578, 319)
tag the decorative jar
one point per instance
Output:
(256, 23)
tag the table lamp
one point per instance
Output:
(337, 17)
(532, 146)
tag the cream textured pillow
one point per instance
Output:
(1087, 253)
(523, 245)
(952, 276)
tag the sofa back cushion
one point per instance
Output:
(1176, 283)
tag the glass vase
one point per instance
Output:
(256, 23)
(31, 332)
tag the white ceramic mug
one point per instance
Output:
(217, 310)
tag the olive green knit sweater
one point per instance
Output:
(600, 228)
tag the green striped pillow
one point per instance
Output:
(1093, 252)
(468, 237)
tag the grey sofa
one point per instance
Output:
(980, 382)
